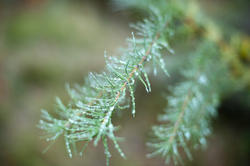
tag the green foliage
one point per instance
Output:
(186, 121)
(192, 104)
(87, 117)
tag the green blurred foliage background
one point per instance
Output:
(44, 44)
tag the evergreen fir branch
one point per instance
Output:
(87, 117)
(191, 107)
(185, 123)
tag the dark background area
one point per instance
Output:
(44, 44)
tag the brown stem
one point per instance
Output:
(131, 74)
(177, 123)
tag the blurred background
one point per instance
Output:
(47, 43)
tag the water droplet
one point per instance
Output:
(112, 108)
(155, 71)
(203, 141)
(202, 79)
(161, 61)
(187, 135)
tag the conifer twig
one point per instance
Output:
(192, 104)
(88, 115)
(177, 123)
(67, 124)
